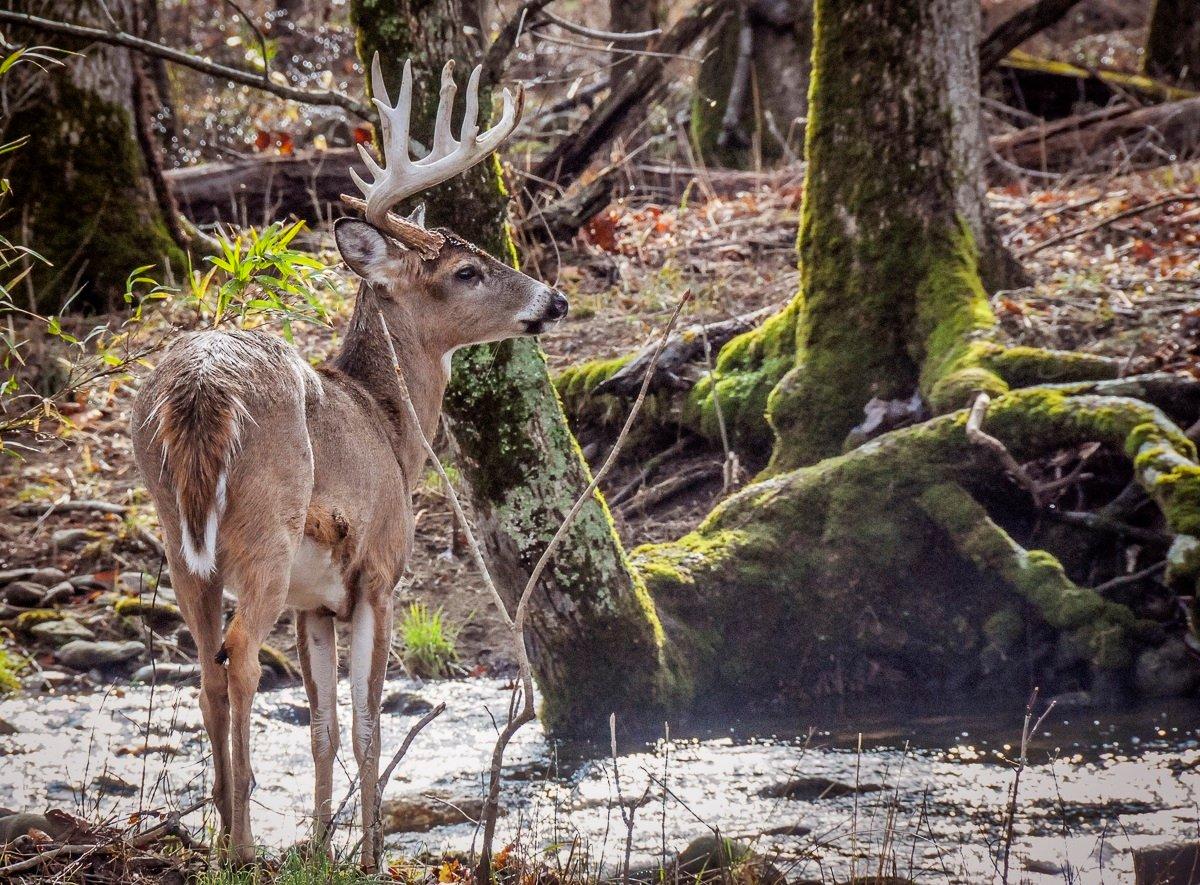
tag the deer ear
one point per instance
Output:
(369, 252)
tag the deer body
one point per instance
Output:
(291, 486)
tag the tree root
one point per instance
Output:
(852, 570)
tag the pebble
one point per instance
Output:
(167, 672)
(70, 539)
(60, 592)
(84, 655)
(7, 576)
(24, 593)
(90, 582)
(61, 632)
(48, 576)
(49, 679)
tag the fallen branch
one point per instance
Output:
(1132, 578)
(592, 33)
(43, 510)
(669, 488)
(253, 79)
(979, 437)
(1105, 222)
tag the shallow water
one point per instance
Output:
(1098, 784)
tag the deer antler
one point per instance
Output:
(401, 176)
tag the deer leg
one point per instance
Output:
(260, 604)
(316, 641)
(371, 635)
(200, 603)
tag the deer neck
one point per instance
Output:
(366, 357)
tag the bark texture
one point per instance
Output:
(1173, 42)
(81, 160)
(597, 644)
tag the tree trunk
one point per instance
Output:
(596, 642)
(768, 91)
(1173, 42)
(81, 161)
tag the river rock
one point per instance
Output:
(49, 679)
(292, 714)
(24, 593)
(708, 853)
(61, 632)
(14, 826)
(158, 613)
(108, 784)
(134, 583)
(796, 829)
(809, 789)
(406, 703)
(7, 728)
(1166, 671)
(1174, 863)
(167, 672)
(72, 539)
(91, 582)
(8, 575)
(421, 813)
(60, 592)
(48, 576)
(84, 655)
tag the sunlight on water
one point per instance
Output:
(930, 797)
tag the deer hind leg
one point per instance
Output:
(371, 634)
(261, 600)
(316, 642)
(201, 605)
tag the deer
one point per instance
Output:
(291, 486)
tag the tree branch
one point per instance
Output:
(253, 79)
(1012, 32)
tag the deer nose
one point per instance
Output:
(558, 306)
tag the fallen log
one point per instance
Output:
(258, 189)
(1012, 32)
(1143, 136)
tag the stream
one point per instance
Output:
(923, 795)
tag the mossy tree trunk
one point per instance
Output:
(80, 197)
(902, 563)
(596, 641)
(1173, 42)
(773, 101)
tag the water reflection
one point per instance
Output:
(925, 796)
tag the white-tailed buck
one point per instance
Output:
(291, 486)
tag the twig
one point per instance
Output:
(175, 56)
(40, 510)
(615, 36)
(497, 55)
(1105, 222)
(976, 435)
(732, 468)
(408, 739)
(1028, 727)
(1132, 578)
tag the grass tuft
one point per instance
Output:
(428, 642)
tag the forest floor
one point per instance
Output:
(1121, 286)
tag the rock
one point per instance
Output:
(796, 829)
(406, 703)
(1166, 671)
(108, 784)
(84, 655)
(7, 728)
(419, 814)
(24, 593)
(14, 826)
(91, 582)
(73, 539)
(275, 660)
(7, 576)
(1175, 863)
(292, 714)
(48, 576)
(134, 583)
(709, 853)
(60, 592)
(8, 612)
(30, 618)
(61, 632)
(167, 672)
(809, 789)
(145, 608)
(49, 679)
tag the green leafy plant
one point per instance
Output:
(294, 869)
(10, 668)
(428, 641)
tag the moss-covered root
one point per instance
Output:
(1097, 626)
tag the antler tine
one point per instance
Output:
(399, 176)
(443, 140)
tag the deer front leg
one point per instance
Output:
(316, 642)
(371, 634)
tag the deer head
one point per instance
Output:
(451, 292)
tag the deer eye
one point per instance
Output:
(466, 272)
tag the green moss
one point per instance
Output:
(26, 620)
